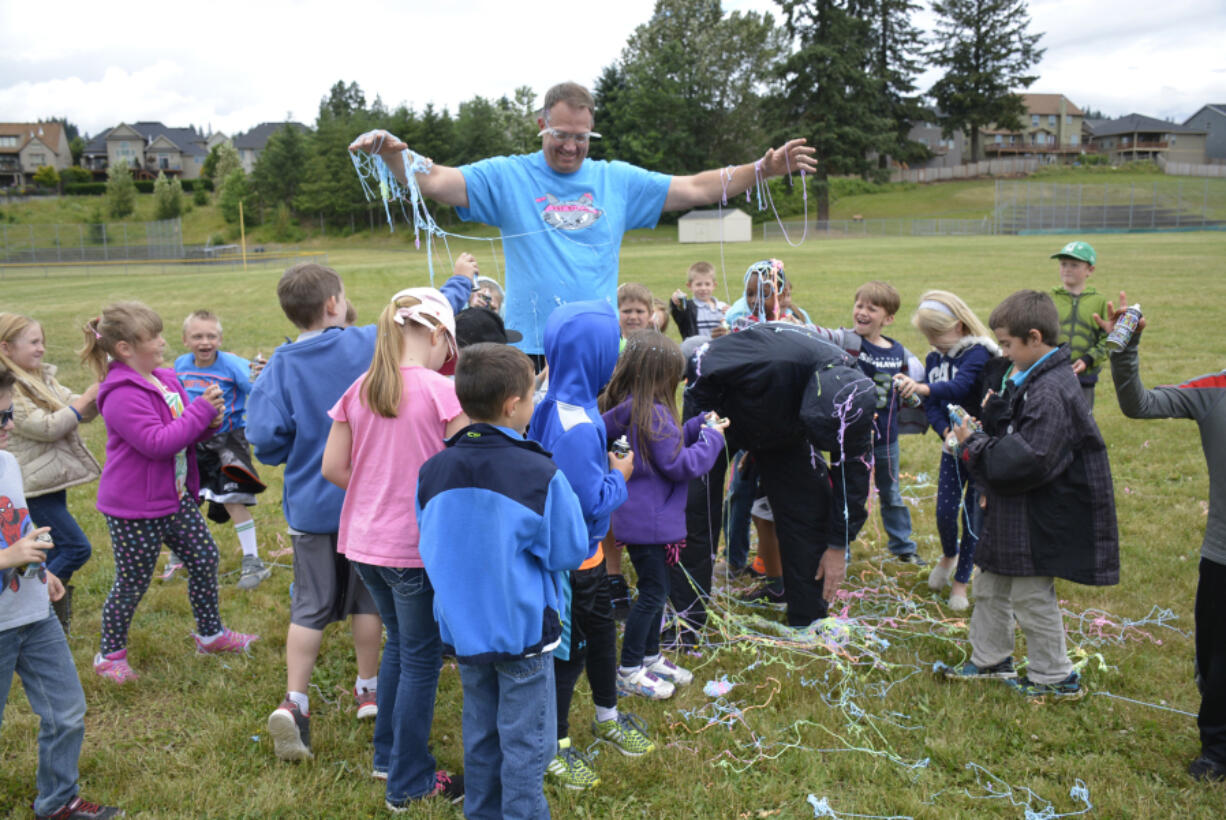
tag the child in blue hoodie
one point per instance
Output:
(581, 345)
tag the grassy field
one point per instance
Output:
(857, 721)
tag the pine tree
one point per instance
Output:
(279, 170)
(120, 190)
(896, 55)
(987, 51)
(830, 96)
(167, 198)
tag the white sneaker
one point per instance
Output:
(662, 667)
(939, 577)
(959, 603)
(644, 684)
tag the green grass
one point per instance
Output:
(188, 739)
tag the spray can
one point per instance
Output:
(1125, 326)
(621, 447)
(914, 400)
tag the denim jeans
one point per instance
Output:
(39, 654)
(508, 720)
(408, 678)
(72, 548)
(741, 493)
(642, 636)
(895, 516)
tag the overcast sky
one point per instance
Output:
(233, 64)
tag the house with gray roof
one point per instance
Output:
(250, 144)
(1138, 137)
(147, 148)
(1212, 120)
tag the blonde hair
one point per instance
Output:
(131, 322)
(383, 387)
(30, 385)
(203, 315)
(932, 321)
(634, 292)
(699, 269)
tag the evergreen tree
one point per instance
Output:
(609, 91)
(480, 131)
(279, 170)
(896, 53)
(227, 162)
(167, 198)
(234, 189)
(986, 49)
(830, 96)
(120, 190)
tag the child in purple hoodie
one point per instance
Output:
(641, 403)
(149, 482)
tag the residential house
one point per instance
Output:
(27, 146)
(1212, 120)
(251, 144)
(148, 148)
(1051, 130)
(946, 151)
(1138, 137)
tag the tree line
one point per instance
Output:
(695, 88)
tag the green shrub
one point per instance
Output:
(85, 188)
(75, 174)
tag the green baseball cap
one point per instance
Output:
(1077, 250)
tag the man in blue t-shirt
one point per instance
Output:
(562, 215)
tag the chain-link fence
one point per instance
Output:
(1027, 206)
(857, 228)
(92, 242)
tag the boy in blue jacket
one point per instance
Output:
(499, 526)
(288, 423)
(581, 345)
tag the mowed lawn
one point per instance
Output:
(856, 719)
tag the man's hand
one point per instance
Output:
(792, 156)
(1108, 324)
(623, 464)
(27, 550)
(831, 572)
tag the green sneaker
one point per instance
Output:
(571, 768)
(1068, 689)
(628, 734)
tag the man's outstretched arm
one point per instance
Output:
(443, 184)
(709, 187)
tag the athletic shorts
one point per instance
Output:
(326, 587)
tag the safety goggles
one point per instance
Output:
(565, 136)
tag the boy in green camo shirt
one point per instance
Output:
(1077, 303)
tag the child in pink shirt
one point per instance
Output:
(385, 426)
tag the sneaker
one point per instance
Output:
(368, 706)
(969, 671)
(253, 572)
(1205, 769)
(628, 734)
(78, 809)
(227, 641)
(1068, 689)
(959, 603)
(769, 593)
(114, 667)
(757, 569)
(448, 786)
(911, 558)
(644, 684)
(939, 577)
(619, 592)
(662, 667)
(379, 774)
(290, 731)
(572, 768)
(173, 565)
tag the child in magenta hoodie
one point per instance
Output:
(148, 487)
(641, 403)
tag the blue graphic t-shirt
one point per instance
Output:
(561, 233)
(229, 372)
(23, 594)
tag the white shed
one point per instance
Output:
(728, 225)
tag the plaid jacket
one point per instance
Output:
(1050, 502)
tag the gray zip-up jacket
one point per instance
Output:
(1202, 399)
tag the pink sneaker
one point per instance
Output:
(114, 666)
(367, 704)
(228, 641)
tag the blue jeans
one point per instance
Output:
(72, 548)
(895, 516)
(39, 654)
(642, 637)
(741, 493)
(408, 678)
(509, 721)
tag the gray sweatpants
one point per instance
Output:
(1032, 600)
